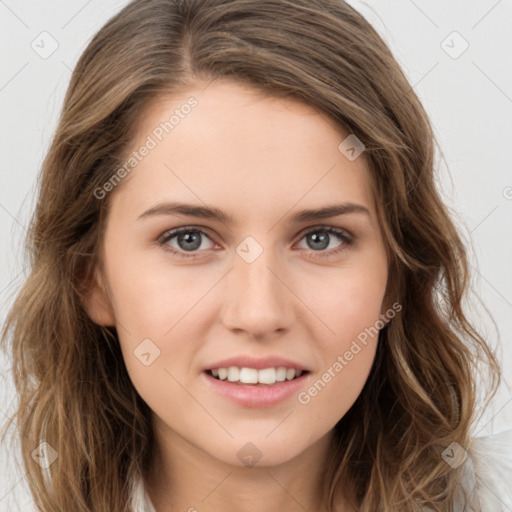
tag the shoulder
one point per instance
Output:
(487, 472)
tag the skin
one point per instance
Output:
(261, 160)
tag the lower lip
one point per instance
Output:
(250, 395)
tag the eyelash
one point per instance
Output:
(343, 235)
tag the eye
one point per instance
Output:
(319, 238)
(188, 239)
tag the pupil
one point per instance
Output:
(189, 238)
(324, 242)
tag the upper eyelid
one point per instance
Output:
(171, 233)
(326, 227)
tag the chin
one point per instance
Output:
(260, 451)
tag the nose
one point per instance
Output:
(257, 298)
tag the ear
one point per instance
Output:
(96, 302)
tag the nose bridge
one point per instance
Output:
(256, 300)
(254, 271)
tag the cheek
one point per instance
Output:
(347, 358)
(349, 306)
(335, 390)
(157, 309)
(347, 302)
(151, 296)
(148, 306)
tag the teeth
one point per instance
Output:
(268, 376)
(246, 375)
(281, 374)
(233, 374)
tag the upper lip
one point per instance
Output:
(258, 363)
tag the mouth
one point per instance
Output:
(250, 387)
(245, 376)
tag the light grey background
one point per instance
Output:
(468, 97)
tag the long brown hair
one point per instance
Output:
(74, 390)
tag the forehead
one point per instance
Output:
(228, 143)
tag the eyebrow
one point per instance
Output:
(176, 208)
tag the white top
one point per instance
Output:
(488, 472)
(486, 466)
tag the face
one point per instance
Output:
(249, 281)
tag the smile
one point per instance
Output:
(267, 393)
(246, 375)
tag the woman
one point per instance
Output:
(246, 292)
